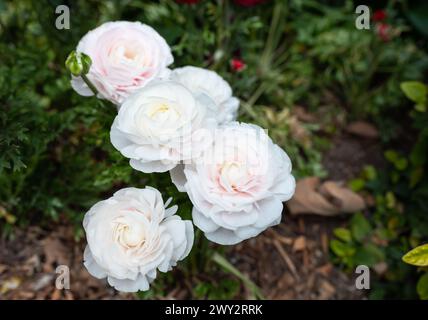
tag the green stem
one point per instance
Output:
(89, 84)
(272, 38)
(227, 266)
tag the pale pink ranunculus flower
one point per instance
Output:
(132, 235)
(209, 87)
(160, 126)
(238, 185)
(125, 57)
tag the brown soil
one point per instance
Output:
(289, 261)
(349, 154)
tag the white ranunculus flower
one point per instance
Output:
(131, 235)
(238, 186)
(161, 125)
(125, 57)
(209, 87)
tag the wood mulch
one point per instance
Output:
(289, 261)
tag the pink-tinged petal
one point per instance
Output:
(151, 166)
(248, 232)
(269, 210)
(128, 285)
(285, 187)
(223, 236)
(178, 177)
(80, 87)
(125, 57)
(210, 89)
(240, 218)
(92, 266)
(202, 222)
(129, 238)
(190, 236)
(240, 192)
(171, 211)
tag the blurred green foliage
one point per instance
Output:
(56, 159)
(398, 220)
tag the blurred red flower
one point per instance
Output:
(237, 64)
(249, 3)
(383, 30)
(379, 15)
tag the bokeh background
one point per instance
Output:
(349, 106)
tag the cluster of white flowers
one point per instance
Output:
(182, 121)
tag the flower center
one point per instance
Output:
(159, 109)
(232, 172)
(163, 111)
(124, 53)
(130, 236)
(130, 54)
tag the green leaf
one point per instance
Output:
(401, 164)
(416, 176)
(421, 107)
(357, 184)
(370, 172)
(360, 227)
(417, 13)
(369, 255)
(201, 290)
(418, 256)
(390, 200)
(342, 249)
(224, 290)
(419, 154)
(422, 287)
(415, 91)
(221, 261)
(391, 156)
(343, 234)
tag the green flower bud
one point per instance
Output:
(78, 63)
